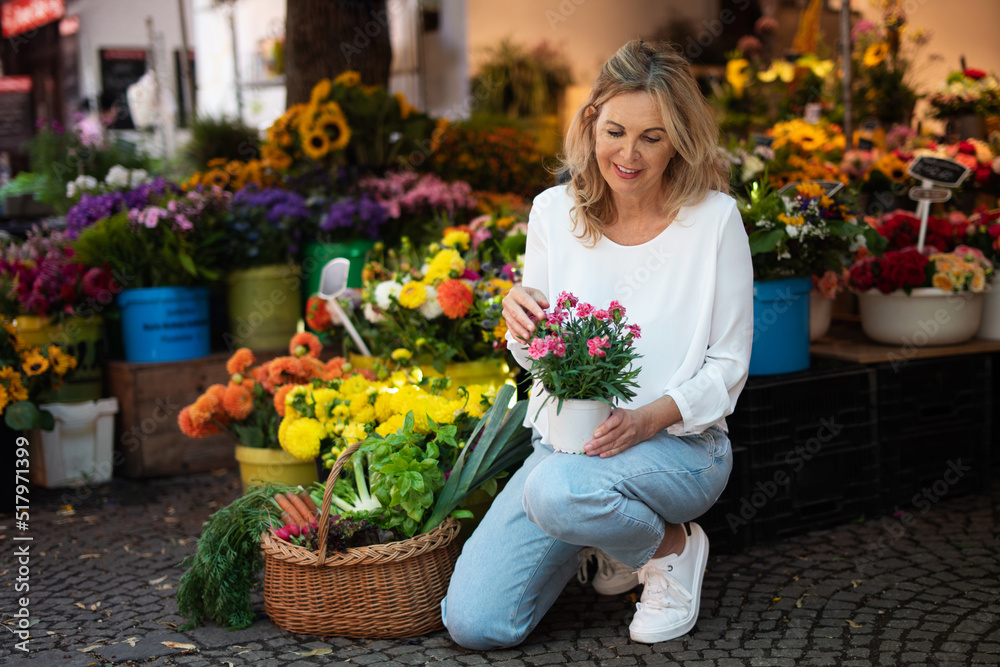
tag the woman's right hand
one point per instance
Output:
(519, 307)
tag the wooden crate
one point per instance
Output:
(149, 442)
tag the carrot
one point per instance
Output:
(285, 519)
(288, 507)
(300, 506)
(310, 505)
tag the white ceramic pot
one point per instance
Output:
(575, 424)
(989, 328)
(820, 315)
(927, 317)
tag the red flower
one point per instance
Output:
(966, 147)
(317, 316)
(976, 74)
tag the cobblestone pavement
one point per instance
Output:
(917, 589)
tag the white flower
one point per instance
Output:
(792, 231)
(371, 315)
(138, 177)
(431, 308)
(752, 167)
(384, 291)
(70, 190)
(858, 243)
(117, 177)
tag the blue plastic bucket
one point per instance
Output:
(780, 326)
(165, 323)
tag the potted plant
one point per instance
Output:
(794, 237)
(27, 373)
(349, 226)
(909, 297)
(582, 356)
(439, 307)
(251, 405)
(964, 101)
(163, 254)
(264, 232)
(58, 301)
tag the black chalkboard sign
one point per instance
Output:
(762, 140)
(16, 124)
(120, 68)
(939, 170)
(866, 144)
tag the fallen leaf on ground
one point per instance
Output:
(153, 582)
(856, 582)
(80, 605)
(164, 587)
(170, 519)
(94, 606)
(131, 641)
(90, 648)
(86, 556)
(180, 646)
(315, 651)
(853, 624)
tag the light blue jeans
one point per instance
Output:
(526, 549)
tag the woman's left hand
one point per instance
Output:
(617, 433)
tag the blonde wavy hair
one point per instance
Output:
(658, 69)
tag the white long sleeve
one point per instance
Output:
(690, 289)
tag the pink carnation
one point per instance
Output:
(602, 315)
(617, 306)
(566, 300)
(584, 309)
(634, 330)
(558, 315)
(538, 348)
(556, 345)
(597, 345)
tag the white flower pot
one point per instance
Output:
(989, 328)
(79, 449)
(575, 424)
(927, 317)
(820, 315)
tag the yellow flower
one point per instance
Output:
(875, 54)
(320, 91)
(779, 69)
(810, 190)
(736, 75)
(302, 438)
(405, 108)
(276, 158)
(818, 67)
(500, 330)
(456, 238)
(401, 354)
(438, 134)
(413, 295)
(34, 363)
(4, 398)
(390, 426)
(316, 144)
(443, 264)
(347, 78)
(354, 432)
(794, 220)
(215, 178)
(506, 221)
(978, 283)
(61, 362)
(335, 126)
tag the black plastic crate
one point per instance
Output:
(727, 532)
(833, 486)
(784, 417)
(935, 464)
(934, 394)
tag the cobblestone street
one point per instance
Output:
(916, 588)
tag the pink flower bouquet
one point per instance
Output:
(582, 352)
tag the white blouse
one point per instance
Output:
(690, 289)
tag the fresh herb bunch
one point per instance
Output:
(582, 352)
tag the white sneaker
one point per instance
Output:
(613, 576)
(672, 594)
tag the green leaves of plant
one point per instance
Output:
(25, 415)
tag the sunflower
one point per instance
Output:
(405, 108)
(320, 91)
(60, 361)
(334, 125)
(875, 54)
(438, 134)
(347, 78)
(216, 162)
(316, 144)
(4, 398)
(216, 178)
(34, 363)
(275, 157)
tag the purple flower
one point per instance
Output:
(357, 216)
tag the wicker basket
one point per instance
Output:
(389, 590)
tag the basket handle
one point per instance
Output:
(324, 519)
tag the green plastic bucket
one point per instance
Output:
(80, 336)
(318, 254)
(264, 306)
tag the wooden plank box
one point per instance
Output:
(149, 442)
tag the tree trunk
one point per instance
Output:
(326, 37)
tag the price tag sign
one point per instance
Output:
(865, 144)
(870, 125)
(934, 195)
(762, 140)
(938, 170)
(830, 188)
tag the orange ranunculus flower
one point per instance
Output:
(237, 401)
(195, 430)
(240, 361)
(454, 297)
(305, 343)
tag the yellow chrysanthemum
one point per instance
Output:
(810, 190)
(413, 295)
(456, 238)
(354, 432)
(302, 438)
(383, 407)
(366, 416)
(390, 426)
(793, 220)
(875, 54)
(320, 91)
(34, 363)
(444, 264)
(347, 78)
(401, 354)
(323, 401)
